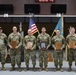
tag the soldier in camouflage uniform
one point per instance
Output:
(15, 53)
(3, 48)
(29, 40)
(71, 51)
(43, 54)
(58, 54)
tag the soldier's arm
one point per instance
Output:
(24, 42)
(53, 45)
(20, 41)
(38, 41)
(67, 40)
(49, 41)
(9, 40)
(34, 47)
(63, 42)
(5, 40)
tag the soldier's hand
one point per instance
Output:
(47, 48)
(5, 56)
(68, 46)
(16, 47)
(61, 48)
(11, 47)
(39, 48)
(54, 48)
(26, 48)
(6, 53)
(31, 49)
(74, 47)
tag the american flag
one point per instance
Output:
(33, 26)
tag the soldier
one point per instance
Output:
(58, 41)
(14, 42)
(43, 42)
(30, 46)
(3, 48)
(71, 44)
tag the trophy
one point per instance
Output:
(29, 45)
(58, 45)
(43, 45)
(14, 44)
(71, 44)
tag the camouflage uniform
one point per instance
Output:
(3, 48)
(58, 54)
(71, 51)
(28, 52)
(15, 53)
(43, 54)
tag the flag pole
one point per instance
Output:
(63, 31)
(52, 33)
(38, 32)
(62, 23)
(66, 53)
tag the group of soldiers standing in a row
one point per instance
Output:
(43, 42)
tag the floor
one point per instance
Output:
(31, 72)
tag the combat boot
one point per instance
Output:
(19, 68)
(61, 69)
(56, 68)
(3, 68)
(13, 68)
(27, 68)
(70, 69)
(34, 68)
(41, 68)
(46, 69)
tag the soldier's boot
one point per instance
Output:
(56, 68)
(19, 68)
(3, 68)
(41, 68)
(12, 68)
(70, 69)
(34, 68)
(27, 68)
(61, 69)
(46, 69)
